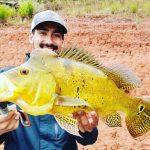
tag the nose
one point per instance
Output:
(49, 40)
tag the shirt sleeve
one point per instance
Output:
(87, 138)
(3, 137)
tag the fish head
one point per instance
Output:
(30, 85)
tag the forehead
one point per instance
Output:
(47, 26)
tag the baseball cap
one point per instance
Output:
(48, 16)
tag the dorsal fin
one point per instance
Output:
(79, 55)
(123, 77)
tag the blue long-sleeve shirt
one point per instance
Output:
(44, 134)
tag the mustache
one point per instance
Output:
(54, 47)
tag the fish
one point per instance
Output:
(73, 80)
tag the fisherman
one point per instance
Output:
(47, 31)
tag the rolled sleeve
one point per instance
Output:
(88, 138)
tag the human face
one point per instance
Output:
(47, 35)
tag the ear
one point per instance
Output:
(31, 37)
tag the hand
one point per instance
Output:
(9, 122)
(87, 121)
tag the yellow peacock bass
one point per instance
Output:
(70, 81)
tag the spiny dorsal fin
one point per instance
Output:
(79, 55)
(123, 77)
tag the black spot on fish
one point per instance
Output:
(141, 108)
(58, 90)
(78, 106)
(74, 106)
(83, 81)
(83, 85)
(84, 107)
(78, 89)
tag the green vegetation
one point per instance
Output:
(26, 8)
(5, 13)
(102, 7)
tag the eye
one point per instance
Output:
(58, 35)
(41, 32)
(24, 72)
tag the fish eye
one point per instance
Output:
(24, 72)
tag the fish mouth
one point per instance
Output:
(7, 88)
(34, 110)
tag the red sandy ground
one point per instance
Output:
(112, 39)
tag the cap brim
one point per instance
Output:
(61, 27)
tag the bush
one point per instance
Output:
(5, 13)
(26, 9)
(115, 7)
(134, 8)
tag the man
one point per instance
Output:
(47, 31)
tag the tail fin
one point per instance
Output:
(138, 123)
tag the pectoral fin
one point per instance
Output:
(68, 123)
(70, 101)
(113, 120)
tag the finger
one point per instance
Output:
(85, 124)
(9, 123)
(93, 118)
(90, 126)
(84, 120)
(89, 121)
(4, 118)
(5, 123)
(81, 128)
(14, 124)
(10, 126)
(17, 116)
(77, 116)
